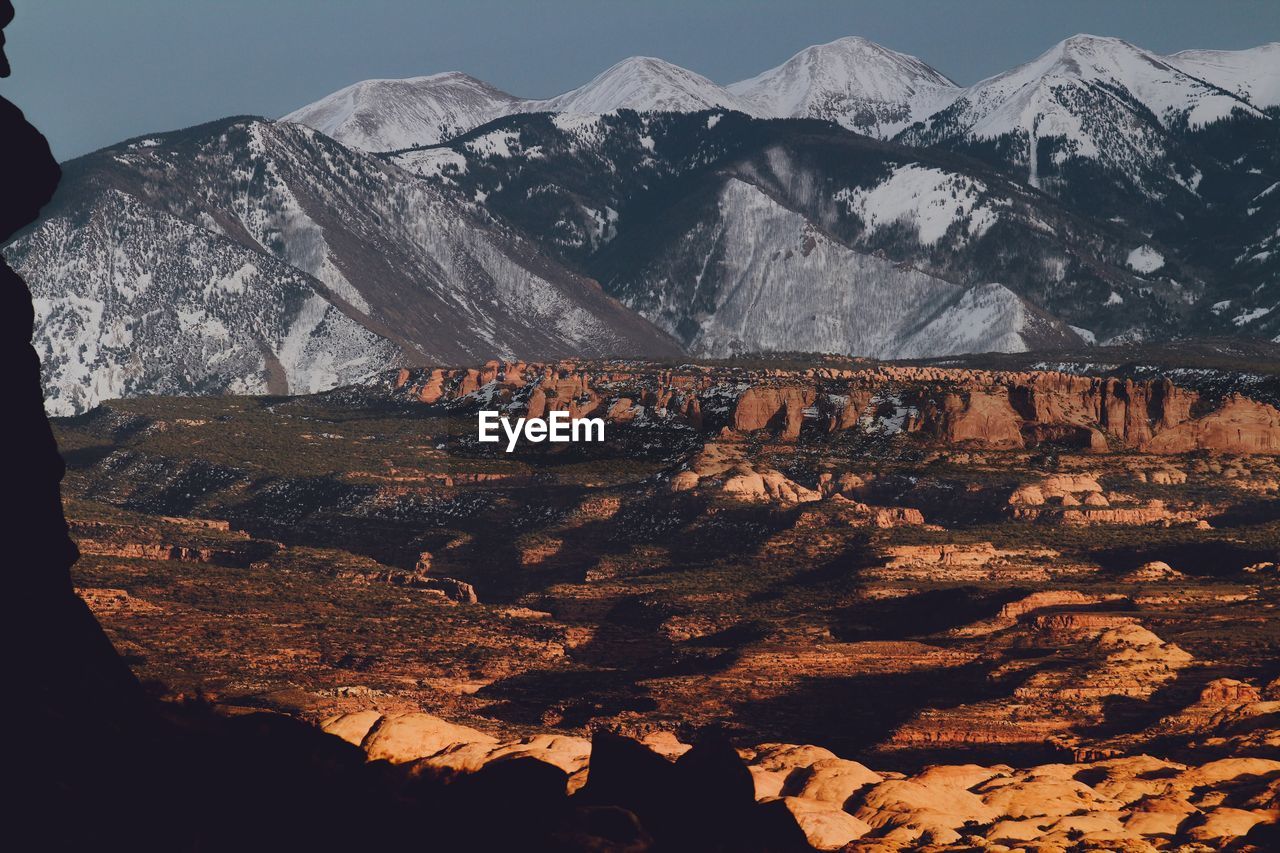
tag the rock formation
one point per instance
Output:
(75, 683)
(952, 407)
(808, 798)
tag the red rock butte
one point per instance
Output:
(955, 407)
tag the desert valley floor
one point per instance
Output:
(998, 604)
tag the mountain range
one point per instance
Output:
(852, 199)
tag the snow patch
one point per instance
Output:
(497, 143)
(772, 279)
(1145, 259)
(931, 199)
(1247, 317)
(1085, 335)
(443, 163)
(238, 280)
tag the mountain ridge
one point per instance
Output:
(384, 114)
(1252, 73)
(643, 84)
(1085, 195)
(853, 81)
(290, 221)
(633, 189)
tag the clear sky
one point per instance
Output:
(93, 72)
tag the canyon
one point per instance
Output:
(979, 604)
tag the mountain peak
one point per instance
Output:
(1088, 40)
(1092, 98)
(849, 44)
(643, 63)
(644, 84)
(1084, 55)
(418, 80)
(852, 81)
(386, 115)
(856, 53)
(844, 43)
(1097, 66)
(1252, 73)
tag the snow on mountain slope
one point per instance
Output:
(360, 261)
(729, 233)
(133, 301)
(1096, 98)
(982, 318)
(643, 84)
(769, 280)
(928, 198)
(852, 81)
(388, 115)
(623, 192)
(435, 276)
(1090, 64)
(1253, 74)
(392, 115)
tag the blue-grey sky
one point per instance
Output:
(93, 72)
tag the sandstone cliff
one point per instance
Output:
(994, 410)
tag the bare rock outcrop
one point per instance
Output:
(1130, 803)
(399, 738)
(997, 410)
(724, 468)
(1154, 571)
(1240, 425)
(780, 408)
(968, 561)
(825, 826)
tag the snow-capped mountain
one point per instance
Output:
(1088, 97)
(1120, 134)
(852, 81)
(1104, 193)
(772, 280)
(732, 233)
(643, 84)
(392, 115)
(1252, 74)
(386, 115)
(130, 300)
(250, 255)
